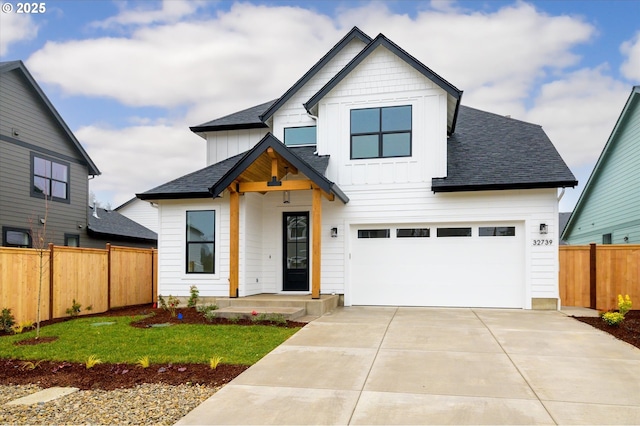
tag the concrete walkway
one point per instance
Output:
(366, 365)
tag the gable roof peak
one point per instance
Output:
(355, 33)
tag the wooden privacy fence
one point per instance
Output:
(100, 278)
(593, 276)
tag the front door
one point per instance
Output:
(296, 251)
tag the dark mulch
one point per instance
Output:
(114, 376)
(628, 331)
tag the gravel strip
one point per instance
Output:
(147, 404)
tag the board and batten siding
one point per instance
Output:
(227, 143)
(384, 80)
(613, 201)
(293, 113)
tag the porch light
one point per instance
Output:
(334, 232)
(544, 228)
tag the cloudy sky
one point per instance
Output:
(130, 77)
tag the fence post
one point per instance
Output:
(593, 288)
(50, 281)
(108, 276)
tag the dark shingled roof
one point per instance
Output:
(197, 184)
(245, 119)
(112, 223)
(491, 152)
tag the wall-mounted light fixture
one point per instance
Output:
(42, 220)
(334, 232)
(544, 228)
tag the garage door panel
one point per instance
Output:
(455, 271)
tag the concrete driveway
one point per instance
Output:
(377, 365)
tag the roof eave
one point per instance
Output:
(505, 186)
(172, 196)
(200, 129)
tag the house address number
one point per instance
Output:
(542, 242)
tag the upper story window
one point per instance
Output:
(381, 132)
(200, 241)
(16, 237)
(50, 178)
(295, 136)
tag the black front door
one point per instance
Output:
(295, 228)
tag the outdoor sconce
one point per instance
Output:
(334, 232)
(544, 228)
(285, 197)
(42, 220)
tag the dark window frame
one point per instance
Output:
(510, 231)
(607, 238)
(301, 144)
(188, 243)
(374, 233)
(455, 234)
(413, 233)
(6, 229)
(380, 133)
(51, 197)
(67, 237)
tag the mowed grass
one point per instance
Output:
(120, 343)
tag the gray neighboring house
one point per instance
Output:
(39, 155)
(109, 226)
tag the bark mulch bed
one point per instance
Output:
(115, 376)
(628, 331)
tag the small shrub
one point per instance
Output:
(277, 319)
(624, 304)
(234, 319)
(207, 311)
(209, 315)
(21, 326)
(612, 318)
(92, 361)
(163, 303)
(194, 296)
(214, 361)
(7, 320)
(75, 309)
(143, 362)
(259, 317)
(28, 365)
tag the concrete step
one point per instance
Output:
(313, 307)
(289, 313)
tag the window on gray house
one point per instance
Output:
(200, 241)
(16, 237)
(72, 240)
(49, 177)
(381, 132)
(295, 136)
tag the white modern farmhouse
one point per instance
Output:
(368, 179)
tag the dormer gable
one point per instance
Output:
(454, 95)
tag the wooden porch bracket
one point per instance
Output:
(316, 220)
(234, 240)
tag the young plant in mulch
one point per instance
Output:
(193, 297)
(613, 318)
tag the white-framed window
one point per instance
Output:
(300, 136)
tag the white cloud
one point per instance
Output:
(631, 67)
(138, 158)
(15, 27)
(578, 113)
(171, 11)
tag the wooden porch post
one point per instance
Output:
(316, 211)
(234, 243)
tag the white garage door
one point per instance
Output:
(469, 265)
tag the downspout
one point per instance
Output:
(561, 194)
(316, 120)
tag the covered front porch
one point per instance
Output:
(272, 168)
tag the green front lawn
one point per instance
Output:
(121, 343)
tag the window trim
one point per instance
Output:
(40, 195)
(380, 133)
(6, 229)
(68, 236)
(284, 136)
(186, 243)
